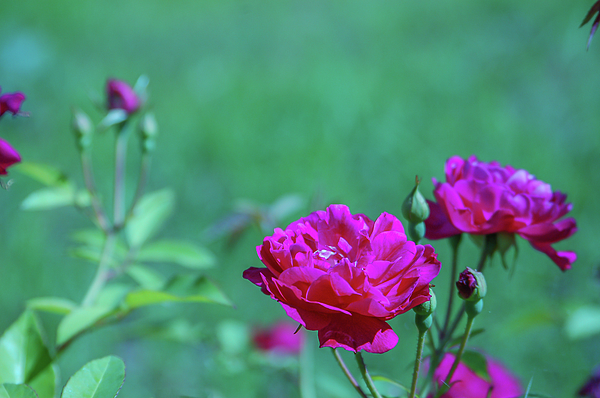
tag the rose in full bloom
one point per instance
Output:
(485, 198)
(121, 96)
(467, 384)
(281, 338)
(8, 156)
(345, 276)
(11, 102)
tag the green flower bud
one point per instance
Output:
(416, 231)
(415, 208)
(471, 285)
(83, 128)
(428, 307)
(149, 131)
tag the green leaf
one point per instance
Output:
(79, 321)
(476, 362)
(114, 116)
(101, 378)
(584, 322)
(23, 353)
(146, 277)
(16, 391)
(149, 215)
(45, 382)
(179, 289)
(390, 381)
(55, 305)
(182, 253)
(90, 237)
(48, 198)
(43, 173)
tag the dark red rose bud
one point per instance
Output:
(471, 285)
(121, 96)
(591, 389)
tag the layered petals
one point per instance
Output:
(486, 198)
(11, 102)
(8, 156)
(345, 276)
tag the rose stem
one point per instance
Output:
(307, 382)
(366, 376)
(144, 168)
(351, 378)
(120, 161)
(88, 177)
(420, 344)
(463, 343)
(454, 242)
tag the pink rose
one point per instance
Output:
(280, 338)
(8, 156)
(11, 102)
(345, 276)
(485, 198)
(466, 384)
(121, 96)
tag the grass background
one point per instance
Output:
(345, 101)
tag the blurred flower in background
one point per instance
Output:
(485, 198)
(466, 383)
(8, 156)
(11, 102)
(591, 389)
(281, 338)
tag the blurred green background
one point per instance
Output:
(339, 102)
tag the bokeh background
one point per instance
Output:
(338, 102)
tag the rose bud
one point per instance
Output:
(11, 102)
(471, 285)
(8, 156)
(415, 208)
(121, 96)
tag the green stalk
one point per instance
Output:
(420, 344)
(120, 162)
(463, 344)
(306, 371)
(139, 192)
(455, 243)
(366, 376)
(102, 272)
(88, 177)
(346, 371)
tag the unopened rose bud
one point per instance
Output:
(149, 131)
(415, 208)
(428, 307)
(471, 285)
(121, 96)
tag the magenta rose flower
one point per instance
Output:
(8, 156)
(11, 102)
(345, 276)
(280, 338)
(485, 198)
(121, 96)
(467, 384)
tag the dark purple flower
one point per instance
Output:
(121, 96)
(8, 156)
(471, 285)
(595, 8)
(591, 389)
(11, 102)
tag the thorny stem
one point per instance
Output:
(346, 371)
(101, 272)
(459, 354)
